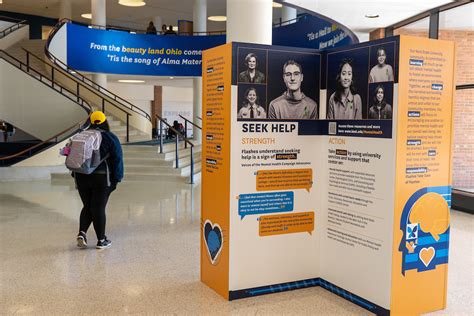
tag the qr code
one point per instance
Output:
(332, 128)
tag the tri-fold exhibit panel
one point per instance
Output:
(329, 168)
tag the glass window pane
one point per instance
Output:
(457, 25)
(419, 28)
(463, 154)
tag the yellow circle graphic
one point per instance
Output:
(431, 212)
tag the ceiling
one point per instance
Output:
(350, 13)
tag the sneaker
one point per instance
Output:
(81, 240)
(104, 243)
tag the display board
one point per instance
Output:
(329, 169)
(119, 52)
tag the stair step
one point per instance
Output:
(151, 177)
(123, 132)
(139, 161)
(181, 153)
(134, 138)
(136, 169)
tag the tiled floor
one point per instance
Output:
(153, 265)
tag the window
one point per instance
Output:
(419, 28)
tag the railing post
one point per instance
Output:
(52, 77)
(185, 133)
(77, 91)
(192, 165)
(103, 105)
(161, 137)
(27, 62)
(177, 156)
(128, 128)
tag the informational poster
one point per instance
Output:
(337, 174)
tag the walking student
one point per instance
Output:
(95, 188)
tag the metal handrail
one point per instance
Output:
(186, 128)
(43, 142)
(282, 23)
(137, 31)
(10, 19)
(199, 118)
(78, 85)
(186, 141)
(13, 27)
(76, 74)
(191, 122)
(81, 102)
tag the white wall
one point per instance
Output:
(176, 101)
(14, 37)
(5, 24)
(58, 45)
(48, 157)
(140, 95)
(34, 107)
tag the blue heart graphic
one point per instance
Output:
(213, 238)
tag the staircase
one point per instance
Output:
(142, 162)
(36, 47)
(145, 163)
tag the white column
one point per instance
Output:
(288, 13)
(98, 12)
(99, 18)
(158, 22)
(65, 9)
(199, 25)
(197, 108)
(249, 21)
(200, 16)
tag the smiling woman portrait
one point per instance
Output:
(251, 108)
(345, 103)
(251, 75)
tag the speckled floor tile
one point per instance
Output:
(153, 265)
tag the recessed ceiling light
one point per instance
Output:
(133, 32)
(217, 18)
(277, 5)
(171, 77)
(87, 16)
(131, 81)
(372, 16)
(132, 3)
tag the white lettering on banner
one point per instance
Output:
(191, 62)
(193, 52)
(98, 47)
(141, 51)
(169, 61)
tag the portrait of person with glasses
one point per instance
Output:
(293, 104)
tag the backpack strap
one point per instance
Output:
(75, 180)
(108, 173)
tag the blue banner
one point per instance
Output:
(311, 32)
(118, 52)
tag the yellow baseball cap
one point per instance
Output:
(97, 117)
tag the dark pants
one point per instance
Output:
(94, 194)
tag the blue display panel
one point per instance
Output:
(118, 52)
